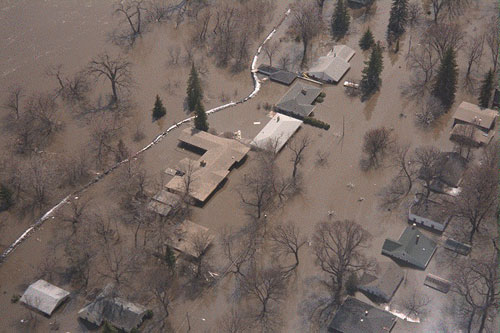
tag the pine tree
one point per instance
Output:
(158, 110)
(200, 121)
(371, 73)
(486, 87)
(397, 20)
(5, 198)
(170, 258)
(446, 79)
(367, 40)
(194, 91)
(340, 19)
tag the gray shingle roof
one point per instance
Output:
(298, 99)
(385, 285)
(413, 248)
(356, 316)
(333, 66)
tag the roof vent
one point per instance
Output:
(303, 91)
(366, 313)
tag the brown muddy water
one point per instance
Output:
(36, 34)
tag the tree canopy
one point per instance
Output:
(445, 86)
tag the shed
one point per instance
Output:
(437, 283)
(357, 316)
(277, 132)
(298, 100)
(383, 286)
(412, 248)
(44, 297)
(117, 311)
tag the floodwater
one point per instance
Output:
(34, 35)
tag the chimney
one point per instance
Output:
(416, 240)
(413, 226)
(366, 313)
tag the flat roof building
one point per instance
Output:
(277, 132)
(357, 316)
(412, 248)
(206, 173)
(44, 297)
(298, 100)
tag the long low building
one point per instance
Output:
(206, 173)
(277, 132)
(44, 297)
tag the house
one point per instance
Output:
(430, 212)
(277, 75)
(473, 125)
(190, 239)
(332, 67)
(383, 287)
(203, 176)
(357, 316)
(412, 248)
(120, 313)
(277, 132)
(44, 297)
(298, 101)
(452, 167)
(164, 202)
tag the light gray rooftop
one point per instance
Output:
(333, 66)
(276, 132)
(44, 296)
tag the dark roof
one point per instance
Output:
(356, 316)
(496, 98)
(277, 75)
(385, 285)
(413, 248)
(298, 100)
(455, 246)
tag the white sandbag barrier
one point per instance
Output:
(158, 138)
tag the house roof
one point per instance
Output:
(212, 167)
(44, 296)
(185, 236)
(334, 65)
(117, 311)
(477, 135)
(385, 284)
(164, 202)
(413, 247)
(357, 316)
(277, 132)
(298, 99)
(432, 208)
(473, 114)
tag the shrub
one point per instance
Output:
(149, 314)
(322, 94)
(15, 298)
(317, 123)
(159, 110)
(108, 328)
(319, 99)
(5, 198)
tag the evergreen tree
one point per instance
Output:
(170, 258)
(397, 20)
(446, 79)
(367, 40)
(200, 121)
(371, 81)
(5, 198)
(194, 91)
(486, 87)
(159, 110)
(340, 19)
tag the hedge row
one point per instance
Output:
(317, 123)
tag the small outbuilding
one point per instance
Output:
(277, 75)
(383, 286)
(412, 248)
(117, 311)
(44, 297)
(277, 132)
(298, 101)
(357, 316)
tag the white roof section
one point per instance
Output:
(277, 132)
(332, 67)
(44, 296)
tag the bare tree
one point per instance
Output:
(492, 33)
(13, 102)
(427, 161)
(464, 138)
(162, 286)
(287, 241)
(115, 70)
(80, 254)
(120, 264)
(239, 250)
(298, 148)
(76, 213)
(375, 144)
(233, 322)
(321, 4)
(268, 287)
(71, 89)
(430, 110)
(104, 131)
(451, 8)
(39, 181)
(476, 282)
(405, 164)
(416, 305)
(474, 52)
(477, 200)
(338, 247)
(132, 10)
(43, 108)
(305, 24)
(270, 48)
(201, 242)
(414, 13)
(443, 36)
(285, 62)
(422, 60)
(200, 30)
